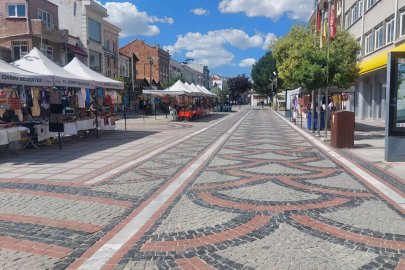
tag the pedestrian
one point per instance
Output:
(262, 102)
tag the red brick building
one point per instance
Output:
(160, 67)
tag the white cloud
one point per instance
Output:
(208, 49)
(268, 39)
(200, 11)
(132, 21)
(274, 9)
(249, 62)
(171, 49)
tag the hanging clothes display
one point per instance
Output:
(35, 110)
(56, 109)
(81, 102)
(88, 99)
(44, 101)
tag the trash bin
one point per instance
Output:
(342, 130)
(309, 116)
(218, 108)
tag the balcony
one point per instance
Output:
(49, 31)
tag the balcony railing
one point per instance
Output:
(49, 31)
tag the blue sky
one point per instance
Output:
(226, 37)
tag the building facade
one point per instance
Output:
(192, 75)
(216, 82)
(379, 27)
(158, 70)
(205, 80)
(175, 68)
(28, 24)
(84, 19)
(111, 45)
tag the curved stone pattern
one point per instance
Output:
(380, 219)
(342, 180)
(289, 248)
(274, 169)
(324, 163)
(209, 177)
(17, 260)
(186, 215)
(269, 192)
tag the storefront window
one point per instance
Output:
(95, 61)
(94, 30)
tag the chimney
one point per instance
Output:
(158, 45)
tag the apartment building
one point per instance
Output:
(175, 68)
(159, 70)
(84, 19)
(111, 45)
(379, 27)
(192, 75)
(205, 80)
(29, 24)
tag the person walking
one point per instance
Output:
(262, 102)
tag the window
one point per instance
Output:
(370, 3)
(347, 20)
(124, 70)
(113, 46)
(402, 23)
(114, 63)
(20, 49)
(108, 73)
(361, 50)
(379, 37)
(95, 61)
(360, 8)
(354, 14)
(45, 16)
(94, 30)
(369, 43)
(17, 11)
(114, 75)
(47, 50)
(108, 62)
(390, 31)
(107, 44)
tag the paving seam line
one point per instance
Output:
(151, 154)
(391, 194)
(104, 253)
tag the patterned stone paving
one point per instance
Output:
(266, 199)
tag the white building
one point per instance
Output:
(192, 75)
(205, 80)
(216, 82)
(175, 68)
(84, 19)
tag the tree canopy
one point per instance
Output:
(302, 65)
(220, 93)
(263, 75)
(173, 80)
(238, 85)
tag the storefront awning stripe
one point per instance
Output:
(377, 62)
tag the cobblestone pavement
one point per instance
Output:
(261, 197)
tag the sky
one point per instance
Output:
(228, 36)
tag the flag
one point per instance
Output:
(332, 25)
(318, 26)
(324, 33)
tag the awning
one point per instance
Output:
(297, 91)
(76, 50)
(377, 62)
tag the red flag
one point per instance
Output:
(318, 27)
(332, 25)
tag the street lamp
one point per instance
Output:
(151, 60)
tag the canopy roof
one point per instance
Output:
(12, 75)
(176, 89)
(78, 68)
(195, 90)
(202, 88)
(36, 62)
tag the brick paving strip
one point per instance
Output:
(68, 224)
(34, 247)
(193, 263)
(113, 246)
(378, 186)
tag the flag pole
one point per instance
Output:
(313, 91)
(327, 78)
(318, 127)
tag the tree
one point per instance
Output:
(238, 85)
(126, 84)
(222, 94)
(299, 64)
(173, 80)
(263, 75)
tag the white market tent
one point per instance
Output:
(195, 90)
(177, 89)
(13, 75)
(212, 94)
(78, 68)
(38, 63)
(204, 90)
